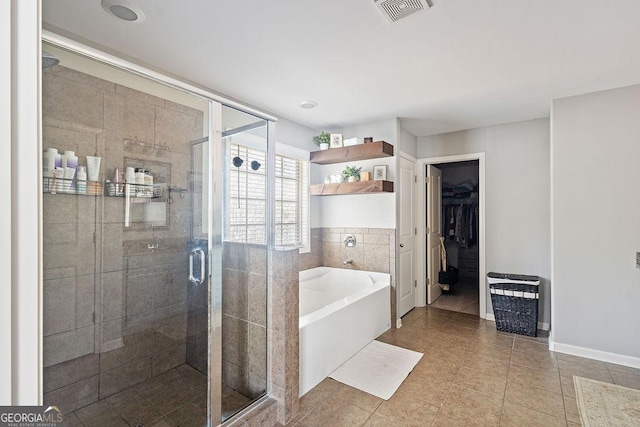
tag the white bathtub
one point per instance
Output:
(341, 311)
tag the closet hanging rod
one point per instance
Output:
(466, 201)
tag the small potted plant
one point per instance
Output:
(322, 140)
(351, 173)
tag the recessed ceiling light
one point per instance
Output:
(308, 104)
(124, 10)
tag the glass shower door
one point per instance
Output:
(122, 257)
(155, 236)
(198, 293)
(245, 229)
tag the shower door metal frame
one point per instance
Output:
(215, 261)
(215, 200)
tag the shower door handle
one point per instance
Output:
(192, 278)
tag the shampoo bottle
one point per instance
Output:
(49, 158)
(82, 180)
(70, 160)
(148, 183)
(139, 176)
(117, 181)
(49, 162)
(130, 178)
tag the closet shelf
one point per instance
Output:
(462, 201)
(361, 187)
(370, 150)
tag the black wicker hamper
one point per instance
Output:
(515, 302)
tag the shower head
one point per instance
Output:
(48, 60)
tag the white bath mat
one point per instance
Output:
(378, 369)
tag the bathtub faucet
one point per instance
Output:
(347, 261)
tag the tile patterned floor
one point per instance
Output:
(470, 375)
(176, 398)
(463, 298)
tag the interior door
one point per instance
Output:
(434, 231)
(406, 236)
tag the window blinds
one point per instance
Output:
(247, 204)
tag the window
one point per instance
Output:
(247, 199)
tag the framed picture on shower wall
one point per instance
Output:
(380, 173)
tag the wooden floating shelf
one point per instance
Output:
(370, 150)
(361, 187)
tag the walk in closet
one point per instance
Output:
(460, 229)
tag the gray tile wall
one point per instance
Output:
(244, 315)
(284, 332)
(313, 258)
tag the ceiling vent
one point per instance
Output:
(395, 10)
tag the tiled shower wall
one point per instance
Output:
(374, 251)
(114, 297)
(244, 318)
(282, 331)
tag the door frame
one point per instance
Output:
(398, 321)
(421, 216)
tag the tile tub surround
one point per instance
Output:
(374, 251)
(313, 258)
(470, 374)
(283, 332)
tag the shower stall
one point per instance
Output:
(155, 261)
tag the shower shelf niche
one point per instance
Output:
(138, 192)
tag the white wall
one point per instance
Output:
(596, 223)
(517, 195)
(5, 215)
(296, 135)
(408, 143)
(360, 210)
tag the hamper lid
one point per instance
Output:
(510, 276)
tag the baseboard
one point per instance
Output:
(603, 356)
(541, 325)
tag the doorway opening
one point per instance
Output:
(451, 250)
(459, 215)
